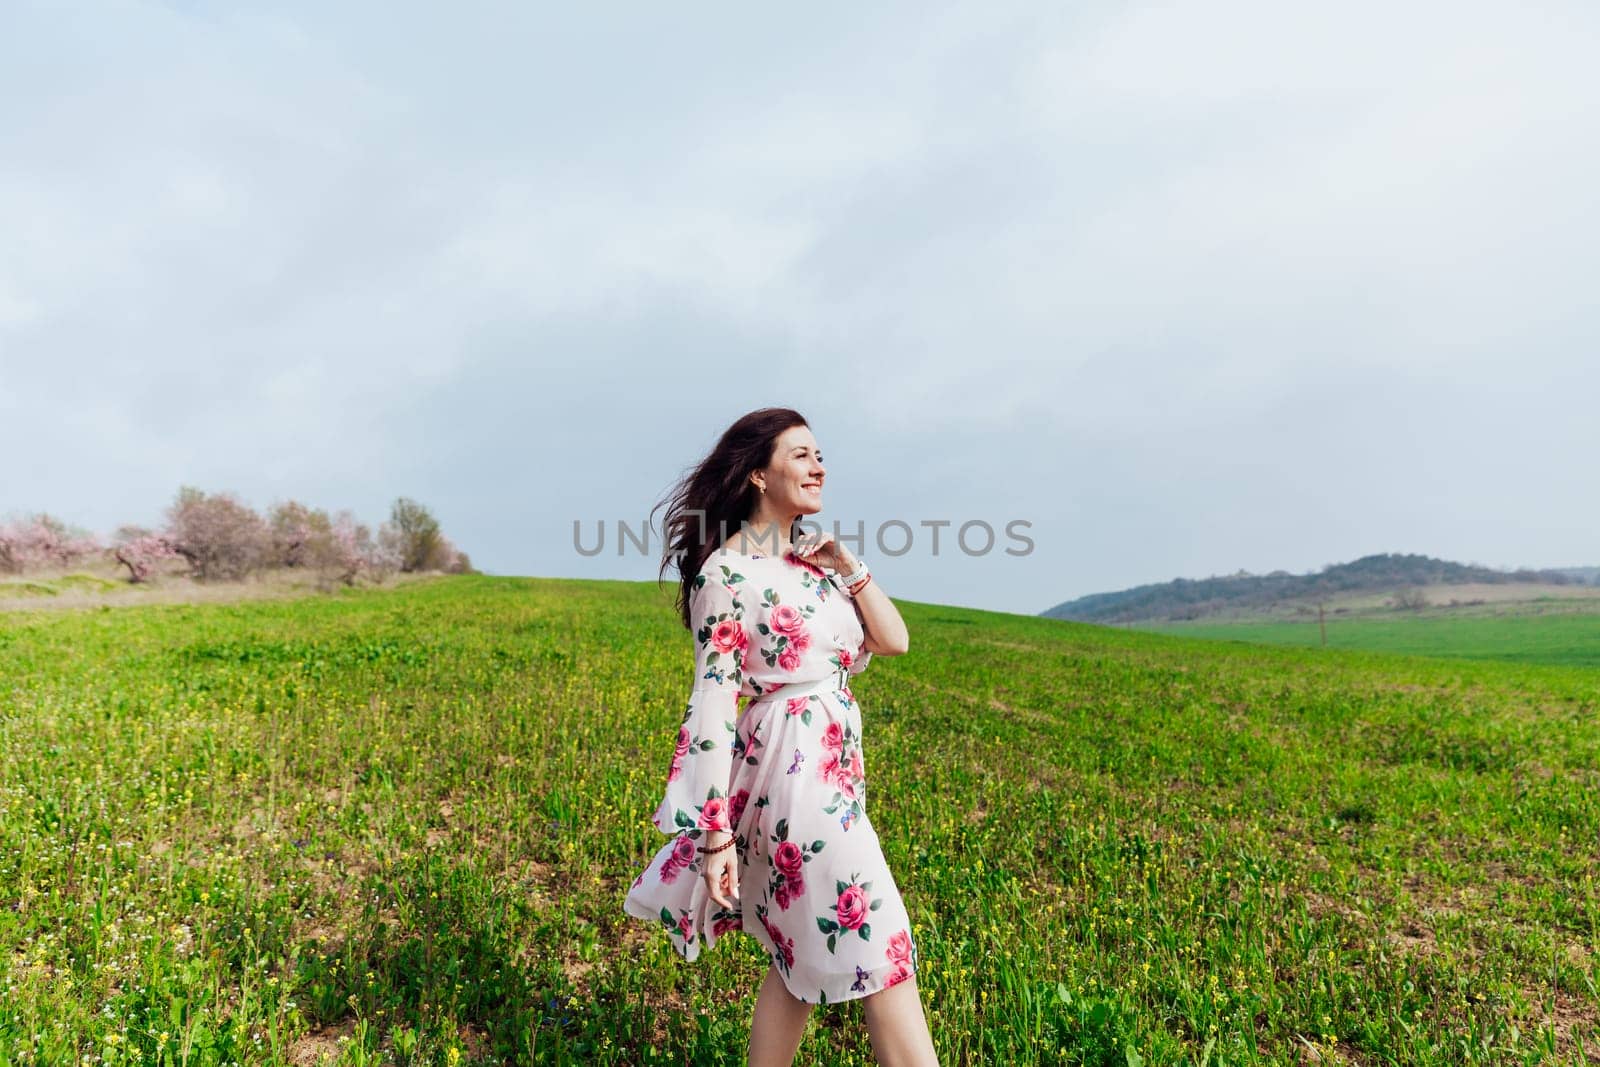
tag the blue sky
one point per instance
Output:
(1187, 287)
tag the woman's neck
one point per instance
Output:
(761, 536)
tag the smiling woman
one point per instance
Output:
(772, 796)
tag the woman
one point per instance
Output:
(767, 807)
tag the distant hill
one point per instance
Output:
(1184, 598)
(1583, 575)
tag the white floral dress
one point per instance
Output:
(786, 774)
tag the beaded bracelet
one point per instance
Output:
(719, 848)
(853, 590)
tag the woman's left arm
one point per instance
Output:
(880, 620)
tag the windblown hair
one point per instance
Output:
(714, 499)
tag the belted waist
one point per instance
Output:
(828, 683)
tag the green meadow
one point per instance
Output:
(397, 826)
(1522, 634)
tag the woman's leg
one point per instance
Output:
(779, 1023)
(898, 1029)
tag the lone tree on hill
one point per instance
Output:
(292, 527)
(1412, 599)
(416, 534)
(220, 537)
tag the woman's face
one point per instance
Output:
(794, 477)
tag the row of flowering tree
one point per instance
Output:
(215, 536)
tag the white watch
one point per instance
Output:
(845, 581)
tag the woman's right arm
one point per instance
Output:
(695, 798)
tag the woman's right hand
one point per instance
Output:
(721, 870)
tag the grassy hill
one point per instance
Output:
(398, 825)
(1377, 582)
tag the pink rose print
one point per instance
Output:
(828, 770)
(736, 806)
(841, 768)
(800, 706)
(681, 856)
(726, 923)
(714, 814)
(686, 926)
(900, 954)
(845, 658)
(787, 620)
(850, 913)
(728, 635)
(675, 771)
(683, 850)
(786, 624)
(852, 907)
(788, 859)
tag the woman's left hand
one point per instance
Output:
(824, 551)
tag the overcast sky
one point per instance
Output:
(1187, 287)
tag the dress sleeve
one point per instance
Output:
(702, 763)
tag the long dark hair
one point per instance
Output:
(714, 499)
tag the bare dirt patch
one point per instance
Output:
(97, 587)
(1575, 1020)
(322, 1045)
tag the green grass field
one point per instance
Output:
(1561, 636)
(397, 827)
